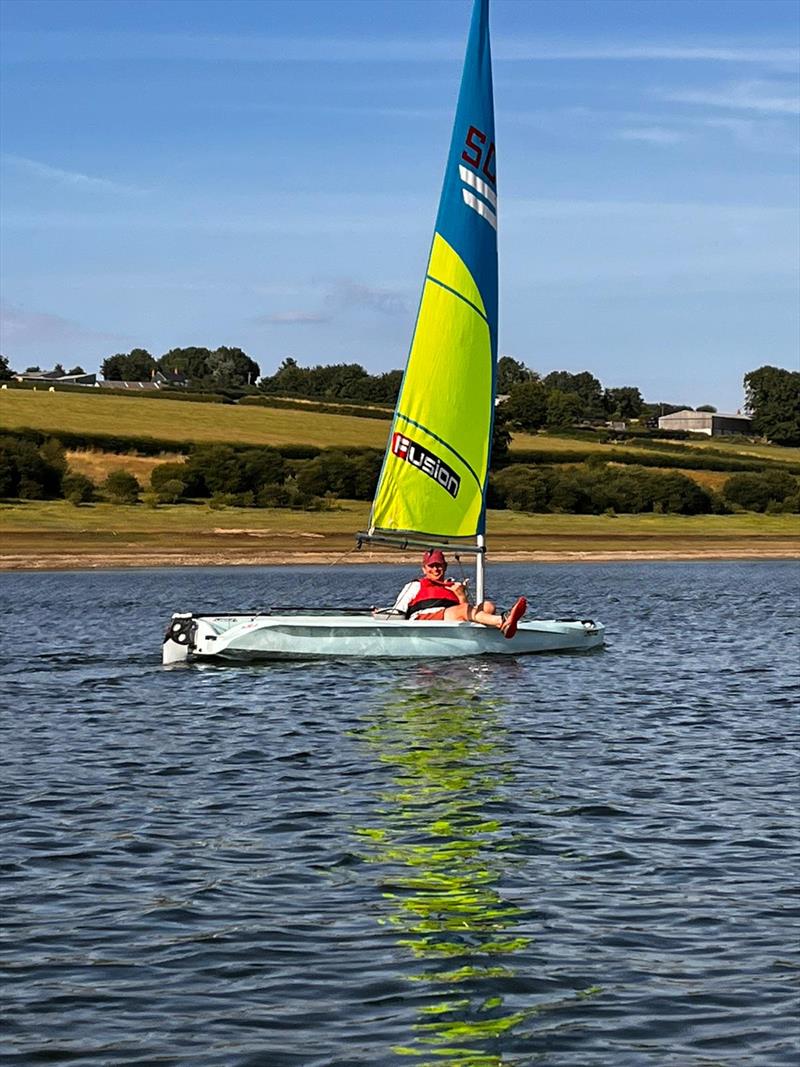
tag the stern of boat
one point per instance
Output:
(179, 639)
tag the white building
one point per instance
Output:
(712, 423)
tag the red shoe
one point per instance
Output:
(512, 617)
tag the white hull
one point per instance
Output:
(253, 637)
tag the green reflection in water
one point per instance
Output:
(442, 849)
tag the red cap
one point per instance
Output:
(434, 555)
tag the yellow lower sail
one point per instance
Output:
(436, 463)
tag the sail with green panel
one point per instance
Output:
(434, 475)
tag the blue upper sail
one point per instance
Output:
(472, 151)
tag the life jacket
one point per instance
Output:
(431, 595)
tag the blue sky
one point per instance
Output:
(266, 174)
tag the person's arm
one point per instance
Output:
(460, 590)
(407, 594)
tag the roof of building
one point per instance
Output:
(689, 413)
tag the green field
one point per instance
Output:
(34, 533)
(716, 445)
(181, 420)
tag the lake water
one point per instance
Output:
(561, 860)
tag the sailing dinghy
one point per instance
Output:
(432, 488)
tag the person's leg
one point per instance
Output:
(479, 613)
(485, 614)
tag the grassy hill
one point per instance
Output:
(178, 420)
(55, 533)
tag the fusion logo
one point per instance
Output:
(406, 449)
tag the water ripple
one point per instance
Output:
(566, 860)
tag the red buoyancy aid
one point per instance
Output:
(431, 595)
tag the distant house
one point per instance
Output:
(713, 423)
(170, 377)
(160, 380)
(110, 383)
(49, 377)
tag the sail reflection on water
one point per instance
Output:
(440, 853)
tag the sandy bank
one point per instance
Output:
(253, 558)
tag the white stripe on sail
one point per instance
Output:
(479, 186)
(478, 205)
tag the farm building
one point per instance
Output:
(49, 377)
(712, 423)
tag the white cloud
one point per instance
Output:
(341, 296)
(71, 178)
(768, 97)
(19, 327)
(610, 50)
(292, 318)
(356, 295)
(651, 135)
(29, 46)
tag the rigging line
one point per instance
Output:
(347, 552)
(441, 441)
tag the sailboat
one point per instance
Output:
(431, 492)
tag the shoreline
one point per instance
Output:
(76, 561)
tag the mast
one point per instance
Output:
(480, 571)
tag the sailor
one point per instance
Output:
(433, 596)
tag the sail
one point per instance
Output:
(433, 480)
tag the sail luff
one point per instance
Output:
(434, 475)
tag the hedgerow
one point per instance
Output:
(592, 490)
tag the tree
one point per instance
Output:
(563, 409)
(170, 492)
(501, 438)
(28, 472)
(387, 387)
(113, 368)
(231, 368)
(329, 472)
(76, 370)
(521, 488)
(77, 489)
(511, 372)
(756, 491)
(367, 469)
(54, 455)
(583, 385)
(772, 396)
(217, 466)
(261, 466)
(134, 366)
(288, 378)
(346, 381)
(526, 407)
(185, 473)
(121, 487)
(191, 362)
(59, 370)
(140, 365)
(220, 469)
(623, 403)
(707, 407)
(6, 373)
